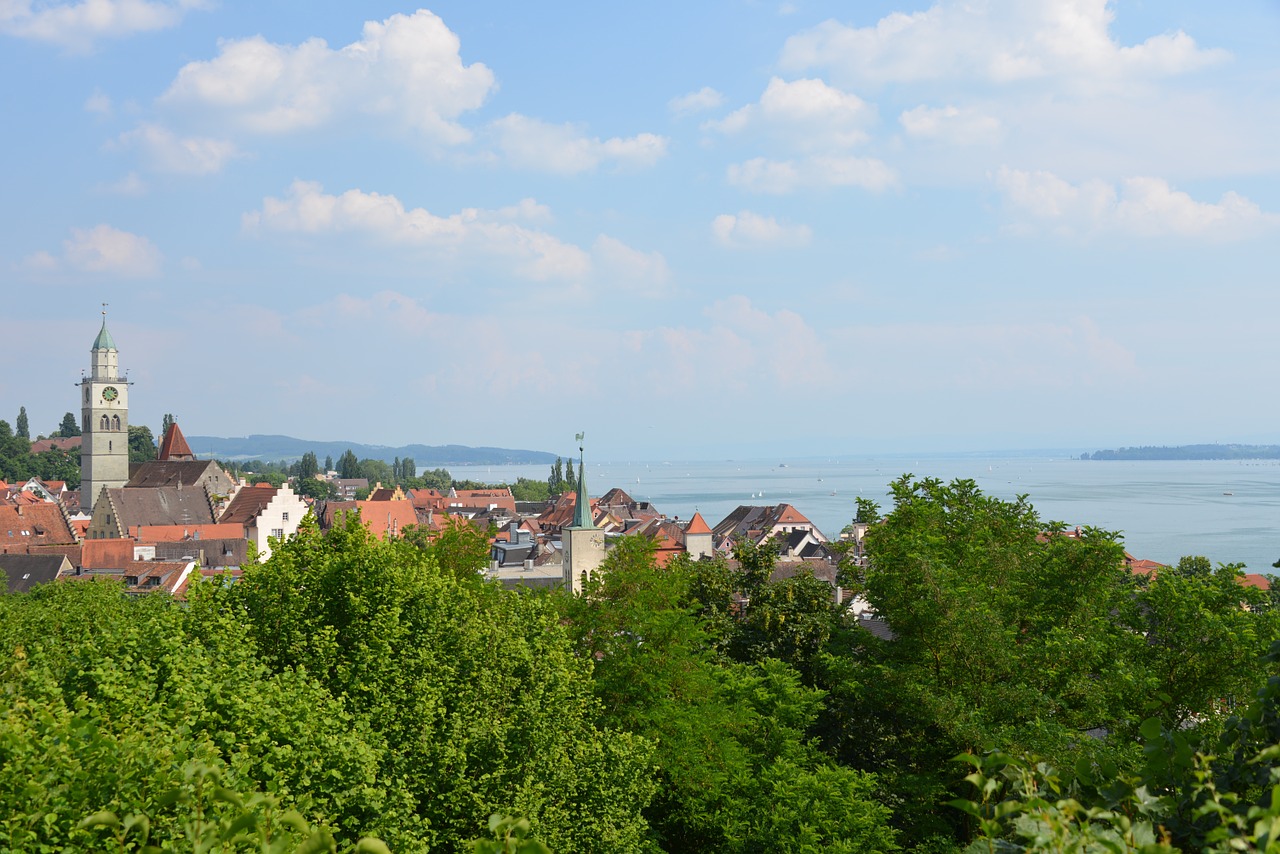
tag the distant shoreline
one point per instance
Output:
(1189, 452)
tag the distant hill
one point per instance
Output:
(1190, 452)
(288, 448)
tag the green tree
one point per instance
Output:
(165, 423)
(23, 429)
(69, 426)
(530, 490)
(328, 463)
(556, 481)
(307, 466)
(315, 488)
(348, 465)
(737, 770)
(142, 445)
(570, 479)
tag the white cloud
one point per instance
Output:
(407, 68)
(1142, 206)
(472, 233)
(704, 99)
(129, 185)
(643, 273)
(761, 175)
(99, 103)
(998, 41)
(101, 249)
(808, 113)
(76, 26)
(741, 349)
(746, 230)
(529, 143)
(950, 124)
(164, 151)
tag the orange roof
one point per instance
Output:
(174, 533)
(107, 554)
(382, 518)
(697, 525)
(174, 445)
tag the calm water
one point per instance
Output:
(1226, 510)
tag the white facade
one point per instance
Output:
(278, 519)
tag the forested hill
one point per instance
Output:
(259, 447)
(1189, 452)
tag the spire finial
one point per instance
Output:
(582, 508)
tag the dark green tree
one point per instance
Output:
(69, 426)
(23, 428)
(570, 479)
(328, 463)
(556, 482)
(165, 423)
(306, 467)
(348, 465)
(142, 445)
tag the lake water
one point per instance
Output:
(1226, 510)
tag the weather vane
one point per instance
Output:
(579, 437)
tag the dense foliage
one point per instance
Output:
(349, 688)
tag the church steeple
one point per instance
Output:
(582, 508)
(582, 543)
(104, 408)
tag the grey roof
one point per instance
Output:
(104, 341)
(22, 572)
(164, 505)
(154, 473)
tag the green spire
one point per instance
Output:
(104, 341)
(582, 507)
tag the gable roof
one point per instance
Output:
(165, 505)
(382, 518)
(22, 572)
(248, 504)
(697, 525)
(155, 473)
(174, 446)
(41, 523)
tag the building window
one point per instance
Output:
(284, 517)
(103, 423)
(278, 533)
(115, 422)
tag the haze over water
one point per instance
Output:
(1227, 510)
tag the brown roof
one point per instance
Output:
(248, 504)
(22, 572)
(34, 524)
(754, 521)
(174, 445)
(107, 554)
(68, 443)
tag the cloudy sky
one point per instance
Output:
(693, 230)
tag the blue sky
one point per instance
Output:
(690, 229)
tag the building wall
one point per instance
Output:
(583, 554)
(278, 519)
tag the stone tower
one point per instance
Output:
(104, 402)
(582, 542)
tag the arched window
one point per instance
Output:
(104, 423)
(115, 422)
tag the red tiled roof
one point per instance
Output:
(248, 505)
(380, 517)
(107, 554)
(174, 533)
(697, 525)
(40, 523)
(174, 445)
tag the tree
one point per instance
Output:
(69, 426)
(737, 769)
(313, 487)
(165, 423)
(23, 427)
(328, 463)
(570, 479)
(348, 465)
(307, 466)
(556, 482)
(142, 445)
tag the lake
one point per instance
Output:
(1227, 510)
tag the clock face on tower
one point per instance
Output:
(110, 393)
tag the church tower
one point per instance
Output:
(104, 402)
(582, 542)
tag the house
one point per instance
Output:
(157, 473)
(483, 499)
(349, 487)
(68, 444)
(779, 523)
(383, 518)
(21, 572)
(263, 512)
(383, 493)
(121, 510)
(23, 526)
(174, 447)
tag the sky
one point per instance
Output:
(691, 230)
